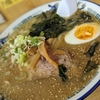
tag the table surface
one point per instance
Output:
(16, 10)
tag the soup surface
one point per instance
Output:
(36, 63)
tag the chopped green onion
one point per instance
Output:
(16, 50)
(35, 41)
(19, 40)
(22, 57)
(42, 33)
(20, 45)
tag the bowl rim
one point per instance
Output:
(81, 94)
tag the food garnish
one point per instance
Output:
(62, 71)
(50, 28)
(90, 66)
(92, 49)
(44, 53)
(22, 44)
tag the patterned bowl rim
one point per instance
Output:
(95, 81)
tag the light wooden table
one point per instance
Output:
(13, 12)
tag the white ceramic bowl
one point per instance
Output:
(90, 7)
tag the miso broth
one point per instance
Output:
(20, 82)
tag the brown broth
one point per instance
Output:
(51, 88)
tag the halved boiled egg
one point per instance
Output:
(83, 33)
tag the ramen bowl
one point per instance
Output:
(87, 6)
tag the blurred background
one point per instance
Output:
(10, 10)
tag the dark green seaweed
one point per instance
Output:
(62, 71)
(51, 27)
(92, 49)
(90, 66)
(86, 17)
(83, 17)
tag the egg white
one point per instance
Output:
(71, 39)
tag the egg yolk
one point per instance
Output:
(85, 32)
